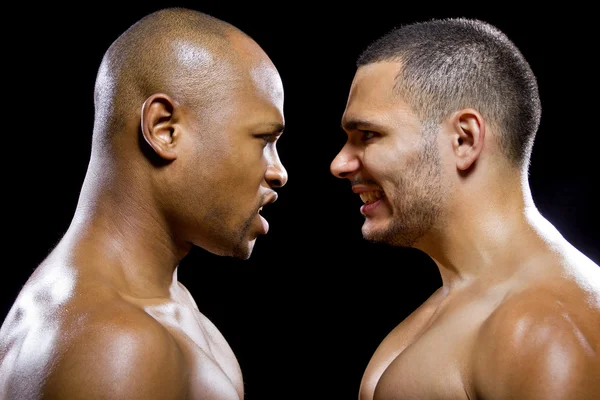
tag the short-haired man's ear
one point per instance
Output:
(469, 135)
(158, 125)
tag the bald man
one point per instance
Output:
(188, 111)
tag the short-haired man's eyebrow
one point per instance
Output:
(360, 124)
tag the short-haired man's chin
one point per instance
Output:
(369, 235)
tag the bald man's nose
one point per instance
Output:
(276, 174)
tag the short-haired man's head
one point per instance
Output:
(450, 64)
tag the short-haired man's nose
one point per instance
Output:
(344, 164)
(276, 175)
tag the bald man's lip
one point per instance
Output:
(271, 198)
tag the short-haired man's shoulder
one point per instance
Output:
(119, 352)
(541, 342)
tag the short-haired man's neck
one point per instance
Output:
(490, 229)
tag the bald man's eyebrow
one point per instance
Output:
(274, 127)
(360, 124)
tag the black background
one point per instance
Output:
(306, 311)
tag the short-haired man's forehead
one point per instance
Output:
(381, 118)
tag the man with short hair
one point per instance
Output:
(440, 123)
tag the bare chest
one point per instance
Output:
(432, 367)
(429, 360)
(214, 370)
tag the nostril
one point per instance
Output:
(276, 176)
(276, 183)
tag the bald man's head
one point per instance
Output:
(188, 55)
(188, 111)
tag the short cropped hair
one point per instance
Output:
(454, 63)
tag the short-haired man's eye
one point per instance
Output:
(367, 135)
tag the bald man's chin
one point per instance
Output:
(244, 252)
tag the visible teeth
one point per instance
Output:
(371, 196)
(260, 209)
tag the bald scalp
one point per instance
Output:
(176, 51)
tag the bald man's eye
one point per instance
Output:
(267, 138)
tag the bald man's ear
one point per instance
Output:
(468, 137)
(158, 125)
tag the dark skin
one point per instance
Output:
(104, 316)
(518, 313)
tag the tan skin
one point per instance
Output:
(518, 313)
(104, 316)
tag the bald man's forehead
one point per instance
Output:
(267, 81)
(197, 63)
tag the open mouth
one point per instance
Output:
(371, 196)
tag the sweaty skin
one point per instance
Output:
(184, 154)
(518, 313)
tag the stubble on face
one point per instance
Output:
(244, 246)
(417, 197)
(225, 240)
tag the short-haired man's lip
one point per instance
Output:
(368, 207)
(359, 188)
